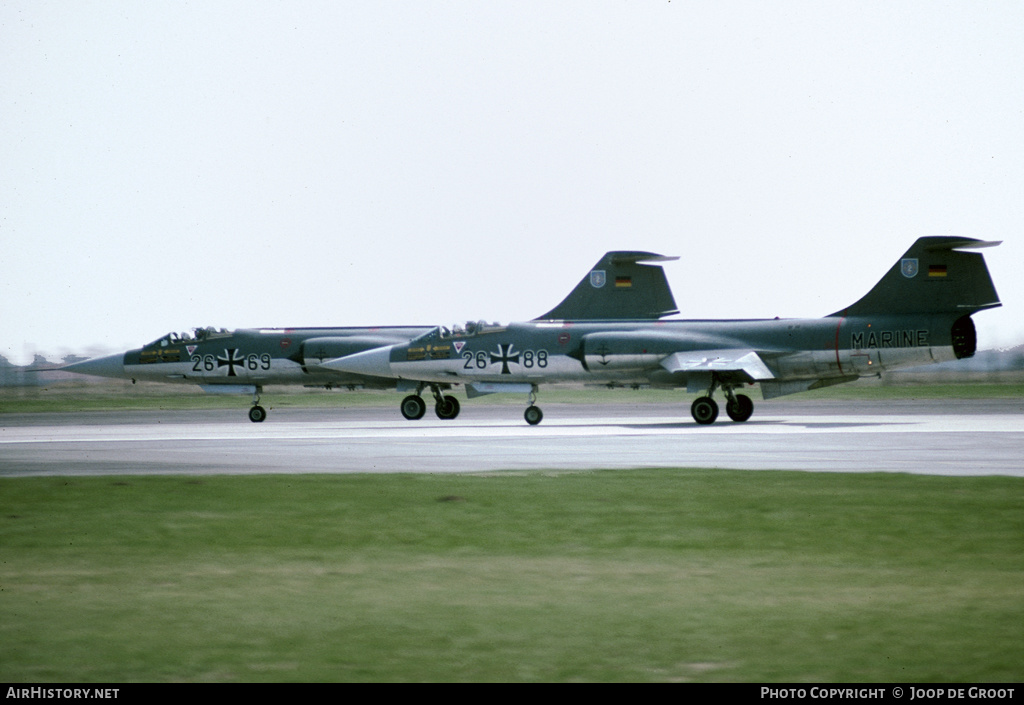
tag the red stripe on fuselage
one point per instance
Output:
(840, 325)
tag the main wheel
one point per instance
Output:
(413, 407)
(257, 413)
(533, 415)
(740, 410)
(704, 410)
(447, 408)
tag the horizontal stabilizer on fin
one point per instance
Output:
(619, 287)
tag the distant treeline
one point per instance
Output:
(39, 373)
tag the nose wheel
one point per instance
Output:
(533, 414)
(257, 414)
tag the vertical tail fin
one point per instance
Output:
(934, 276)
(619, 288)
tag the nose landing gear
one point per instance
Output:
(533, 414)
(257, 413)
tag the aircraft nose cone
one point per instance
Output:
(375, 363)
(106, 366)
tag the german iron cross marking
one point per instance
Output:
(230, 358)
(505, 356)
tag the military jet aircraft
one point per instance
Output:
(244, 361)
(919, 313)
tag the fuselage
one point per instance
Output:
(260, 356)
(626, 353)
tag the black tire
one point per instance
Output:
(533, 415)
(257, 414)
(413, 407)
(447, 408)
(741, 410)
(704, 410)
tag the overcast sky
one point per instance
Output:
(167, 165)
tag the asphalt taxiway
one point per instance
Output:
(952, 437)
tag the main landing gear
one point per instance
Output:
(704, 409)
(445, 406)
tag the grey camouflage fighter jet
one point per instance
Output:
(919, 313)
(244, 361)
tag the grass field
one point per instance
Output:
(652, 575)
(123, 395)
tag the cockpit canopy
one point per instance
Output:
(458, 331)
(197, 335)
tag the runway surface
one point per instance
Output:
(944, 438)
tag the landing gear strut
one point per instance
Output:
(704, 409)
(257, 413)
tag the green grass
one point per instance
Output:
(124, 396)
(646, 575)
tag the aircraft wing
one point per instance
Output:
(747, 362)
